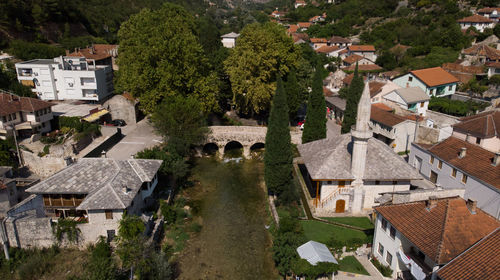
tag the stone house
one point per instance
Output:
(96, 192)
(491, 13)
(329, 51)
(317, 43)
(454, 163)
(433, 81)
(123, 107)
(479, 22)
(398, 132)
(366, 51)
(482, 129)
(354, 58)
(416, 239)
(349, 172)
(340, 42)
(412, 99)
(229, 40)
(25, 115)
(480, 54)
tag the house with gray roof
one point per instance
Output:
(229, 39)
(412, 98)
(349, 172)
(97, 191)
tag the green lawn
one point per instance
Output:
(362, 222)
(323, 232)
(351, 264)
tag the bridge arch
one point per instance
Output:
(234, 147)
(210, 148)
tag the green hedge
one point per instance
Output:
(455, 107)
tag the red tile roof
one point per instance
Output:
(476, 163)
(434, 76)
(327, 49)
(375, 88)
(304, 24)
(488, 10)
(353, 58)
(338, 39)
(385, 117)
(475, 18)
(10, 104)
(364, 67)
(483, 125)
(293, 28)
(382, 106)
(443, 231)
(300, 36)
(455, 67)
(483, 50)
(97, 51)
(481, 261)
(361, 48)
(318, 40)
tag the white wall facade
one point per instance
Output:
(480, 26)
(61, 80)
(229, 42)
(409, 80)
(488, 197)
(369, 55)
(419, 108)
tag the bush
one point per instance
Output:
(68, 228)
(48, 139)
(195, 227)
(169, 214)
(455, 107)
(385, 270)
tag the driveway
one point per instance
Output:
(138, 137)
(332, 129)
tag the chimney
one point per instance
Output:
(471, 205)
(431, 202)
(125, 189)
(462, 153)
(103, 154)
(496, 159)
(68, 161)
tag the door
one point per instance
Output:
(340, 206)
(434, 177)
(417, 163)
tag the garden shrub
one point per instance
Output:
(68, 228)
(385, 270)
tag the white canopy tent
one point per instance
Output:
(315, 252)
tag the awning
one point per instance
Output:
(315, 252)
(95, 116)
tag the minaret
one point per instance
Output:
(360, 135)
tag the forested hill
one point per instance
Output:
(55, 20)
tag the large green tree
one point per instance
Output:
(294, 94)
(160, 57)
(181, 121)
(353, 95)
(315, 125)
(262, 52)
(278, 154)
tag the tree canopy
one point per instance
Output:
(160, 57)
(262, 52)
(278, 153)
(315, 125)
(353, 95)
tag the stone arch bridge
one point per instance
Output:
(248, 137)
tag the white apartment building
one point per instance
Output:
(65, 78)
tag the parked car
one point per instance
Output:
(118, 122)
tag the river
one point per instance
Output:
(233, 242)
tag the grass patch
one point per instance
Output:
(362, 222)
(324, 233)
(351, 264)
(179, 237)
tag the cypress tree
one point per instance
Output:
(278, 153)
(353, 95)
(293, 93)
(315, 125)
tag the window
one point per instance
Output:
(432, 160)
(109, 214)
(410, 78)
(440, 164)
(454, 173)
(341, 184)
(377, 182)
(433, 178)
(464, 178)
(380, 249)
(422, 104)
(450, 87)
(392, 232)
(478, 140)
(432, 91)
(389, 258)
(394, 182)
(384, 224)
(14, 116)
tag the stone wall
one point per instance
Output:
(28, 231)
(43, 166)
(419, 195)
(121, 108)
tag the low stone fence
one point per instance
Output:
(106, 144)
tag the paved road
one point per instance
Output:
(138, 137)
(332, 129)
